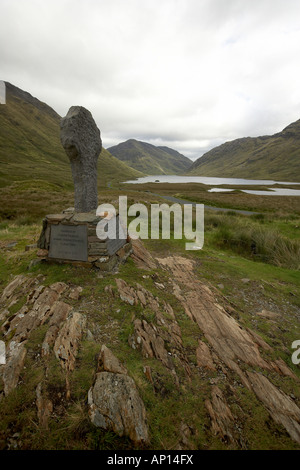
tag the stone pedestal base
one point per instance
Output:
(71, 237)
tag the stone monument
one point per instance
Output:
(81, 140)
(70, 237)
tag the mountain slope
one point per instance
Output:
(275, 157)
(150, 159)
(30, 145)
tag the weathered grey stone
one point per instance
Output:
(55, 217)
(44, 407)
(69, 210)
(31, 247)
(2, 353)
(14, 365)
(222, 419)
(67, 342)
(60, 311)
(114, 400)
(115, 405)
(86, 218)
(107, 362)
(13, 286)
(106, 263)
(75, 293)
(203, 355)
(98, 249)
(43, 241)
(280, 406)
(81, 140)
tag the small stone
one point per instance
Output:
(55, 217)
(86, 217)
(2, 353)
(268, 314)
(42, 253)
(75, 293)
(109, 363)
(11, 245)
(34, 262)
(31, 247)
(90, 335)
(148, 374)
(69, 210)
(159, 285)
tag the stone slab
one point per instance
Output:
(68, 242)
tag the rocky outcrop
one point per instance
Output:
(203, 363)
(15, 360)
(150, 342)
(107, 362)
(28, 319)
(281, 407)
(67, 342)
(234, 345)
(160, 339)
(204, 357)
(114, 401)
(60, 312)
(141, 256)
(222, 420)
(42, 306)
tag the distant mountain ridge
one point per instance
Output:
(275, 157)
(150, 159)
(30, 146)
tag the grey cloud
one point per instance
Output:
(189, 74)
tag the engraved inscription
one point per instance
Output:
(69, 242)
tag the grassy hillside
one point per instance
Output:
(150, 159)
(185, 397)
(274, 157)
(30, 147)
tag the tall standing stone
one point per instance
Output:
(81, 140)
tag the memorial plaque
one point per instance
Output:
(69, 242)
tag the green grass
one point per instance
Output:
(271, 286)
(150, 159)
(282, 206)
(30, 147)
(272, 157)
(254, 238)
(167, 405)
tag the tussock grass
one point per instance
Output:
(253, 238)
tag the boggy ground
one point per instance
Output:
(198, 192)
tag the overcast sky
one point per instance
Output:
(189, 74)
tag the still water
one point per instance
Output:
(271, 192)
(219, 181)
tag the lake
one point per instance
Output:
(219, 181)
(271, 192)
